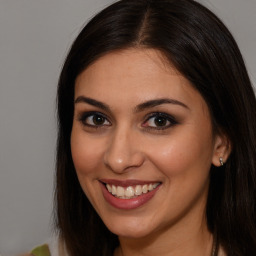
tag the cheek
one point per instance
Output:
(86, 157)
(182, 154)
(85, 153)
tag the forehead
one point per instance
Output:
(134, 75)
(132, 64)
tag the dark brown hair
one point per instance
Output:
(197, 43)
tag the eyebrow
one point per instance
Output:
(83, 99)
(139, 108)
(157, 102)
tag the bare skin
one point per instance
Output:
(137, 118)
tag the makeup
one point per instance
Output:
(142, 143)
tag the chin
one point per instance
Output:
(129, 228)
(131, 233)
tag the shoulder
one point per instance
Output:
(42, 250)
(53, 247)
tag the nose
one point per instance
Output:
(123, 152)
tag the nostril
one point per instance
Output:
(123, 155)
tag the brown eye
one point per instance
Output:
(94, 120)
(98, 120)
(159, 121)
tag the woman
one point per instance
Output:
(157, 130)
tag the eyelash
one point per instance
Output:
(83, 118)
(166, 118)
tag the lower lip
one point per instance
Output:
(127, 204)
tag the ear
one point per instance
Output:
(222, 150)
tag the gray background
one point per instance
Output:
(34, 37)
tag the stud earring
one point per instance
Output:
(221, 161)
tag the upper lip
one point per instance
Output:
(126, 183)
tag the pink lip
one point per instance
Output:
(127, 204)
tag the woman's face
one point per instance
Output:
(142, 132)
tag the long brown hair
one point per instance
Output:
(197, 43)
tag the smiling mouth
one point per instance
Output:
(130, 192)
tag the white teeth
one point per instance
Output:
(109, 188)
(138, 190)
(145, 189)
(155, 185)
(120, 191)
(113, 190)
(130, 192)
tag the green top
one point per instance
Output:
(42, 250)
